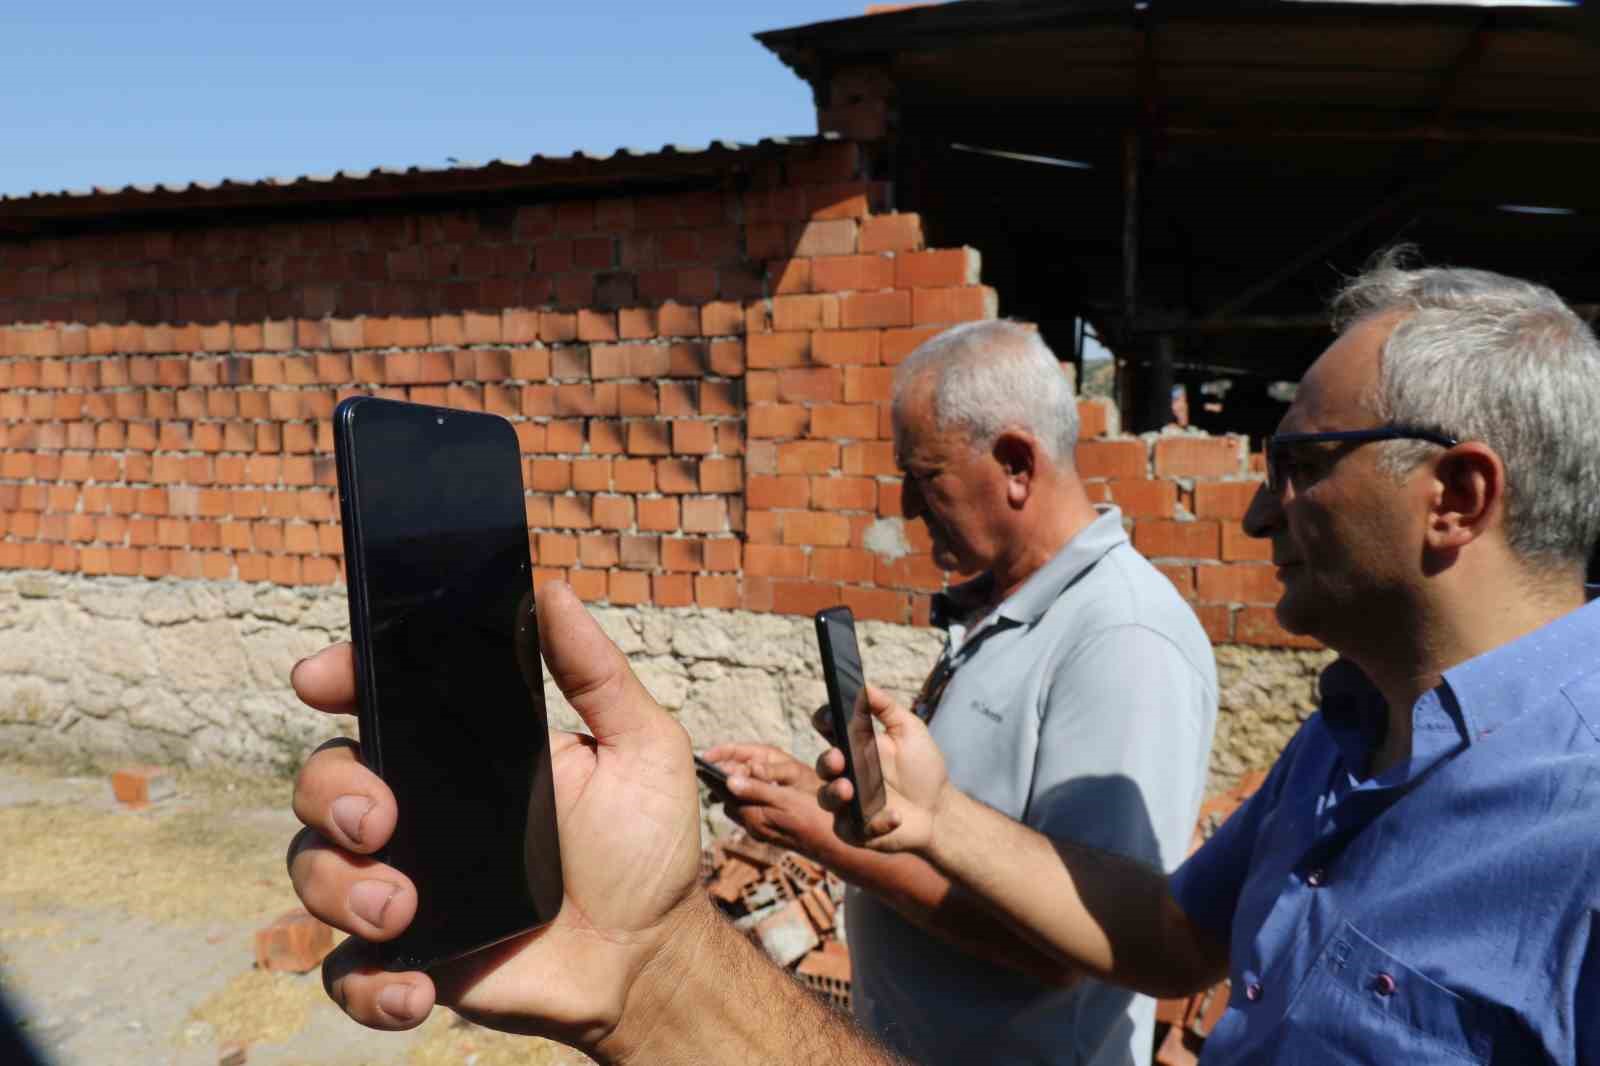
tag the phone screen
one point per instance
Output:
(848, 693)
(452, 699)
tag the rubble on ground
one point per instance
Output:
(787, 905)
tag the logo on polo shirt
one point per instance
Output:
(987, 711)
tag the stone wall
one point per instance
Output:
(195, 672)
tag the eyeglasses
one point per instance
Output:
(1281, 465)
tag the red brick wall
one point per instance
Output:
(699, 382)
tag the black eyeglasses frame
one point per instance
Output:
(1278, 441)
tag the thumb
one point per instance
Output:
(895, 719)
(588, 668)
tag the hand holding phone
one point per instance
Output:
(448, 680)
(713, 777)
(852, 723)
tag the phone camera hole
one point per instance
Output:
(439, 420)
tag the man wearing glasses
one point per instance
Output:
(1416, 882)
(1417, 879)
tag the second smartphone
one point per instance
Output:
(853, 730)
(448, 676)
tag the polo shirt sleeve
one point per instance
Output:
(1123, 745)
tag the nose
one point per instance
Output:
(1264, 514)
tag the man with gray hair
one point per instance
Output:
(1076, 693)
(1416, 881)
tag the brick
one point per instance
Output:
(826, 237)
(847, 421)
(839, 200)
(1112, 459)
(625, 587)
(693, 438)
(672, 590)
(816, 528)
(606, 438)
(1244, 583)
(816, 385)
(1161, 539)
(899, 343)
(1096, 417)
(721, 554)
(802, 597)
(944, 306)
(1145, 498)
(872, 310)
(677, 398)
(809, 312)
(892, 233)
(869, 459)
(944, 268)
(843, 493)
(727, 358)
(852, 273)
(915, 571)
(720, 318)
(557, 549)
(294, 943)
(1226, 500)
(845, 347)
(598, 550)
(883, 605)
(764, 492)
(777, 420)
(721, 475)
(648, 438)
(633, 475)
(716, 590)
(557, 327)
(641, 553)
(612, 512)
(851, 565)
(773, 350)
(139, 786)
(868, 384)
(705, 514)
(571, 512)
(680, 554)
(658, 515)
(1194, 456)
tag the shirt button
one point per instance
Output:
(1252, 991)
(1383, 984)
(1316, 877)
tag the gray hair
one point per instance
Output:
(1485, 357)
(992, 376)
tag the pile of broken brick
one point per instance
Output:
(788, 905)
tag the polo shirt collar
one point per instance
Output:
(1026, 605)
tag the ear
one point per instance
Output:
(1469, 490)
(1017, 453)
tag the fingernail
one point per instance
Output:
(395, 1001)
(369, 899)
(349, 812)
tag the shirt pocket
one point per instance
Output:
(1365, 1001)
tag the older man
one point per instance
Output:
(1076, 693)
(1417, 879)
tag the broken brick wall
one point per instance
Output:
(699, 380)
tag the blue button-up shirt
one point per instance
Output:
(1445, 911)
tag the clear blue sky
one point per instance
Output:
(109, 94)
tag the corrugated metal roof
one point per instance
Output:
(462, 166)
(21, 213)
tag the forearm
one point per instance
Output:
(1110, 916)
(711, 998)
(930, 900)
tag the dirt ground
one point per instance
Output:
(127, 937)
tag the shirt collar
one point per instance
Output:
(1473, 700)
(1044, 586)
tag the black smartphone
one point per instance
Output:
(853, 730)
(448, 677)
(713, 776)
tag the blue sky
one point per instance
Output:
(166, 91)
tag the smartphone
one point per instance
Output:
(448, 678)
(853, 729)
(713, 776)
